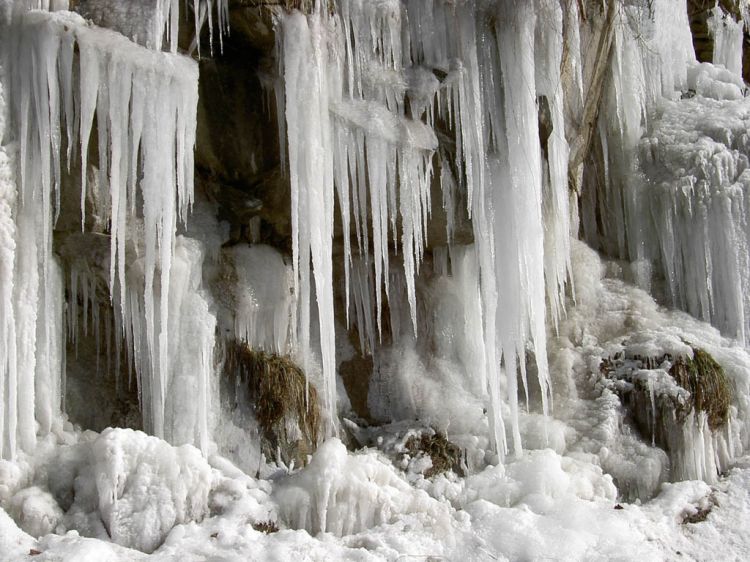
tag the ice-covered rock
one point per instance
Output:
(35, 511)
(139, 487)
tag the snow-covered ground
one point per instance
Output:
(82, 492)
(540, 507)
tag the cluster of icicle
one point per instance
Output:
(62, 75)
(649, 59)
(728, 35)
(361, 94)
(680, 126)
(155, 23)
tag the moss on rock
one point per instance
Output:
(708, 385)
(281, 398)
(445, 455)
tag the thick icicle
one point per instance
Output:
(311, 176)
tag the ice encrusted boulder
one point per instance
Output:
(36, 511)
(138, 486)
(679, 397)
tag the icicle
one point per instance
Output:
(377, 55)
(155, 24)
(311, 178)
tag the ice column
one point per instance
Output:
(728, 35)
(30, 279)
(310, 150)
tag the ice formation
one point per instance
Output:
(263, 298)
(370, 74)
(387, 110)
(344, 494)
(144, 103)
(154, 23)
(104, 483)
(682, 213)
(728, 35)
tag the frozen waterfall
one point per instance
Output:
(363, 92)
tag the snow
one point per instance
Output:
(345, 494)
(129, 487)
(540, 505)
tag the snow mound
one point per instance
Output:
(345, 494)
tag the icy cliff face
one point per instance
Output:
(389, 112)
(674, 150)
(144, 103)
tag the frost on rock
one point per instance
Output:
(63, 75)
(364, 98)
(679, 398)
